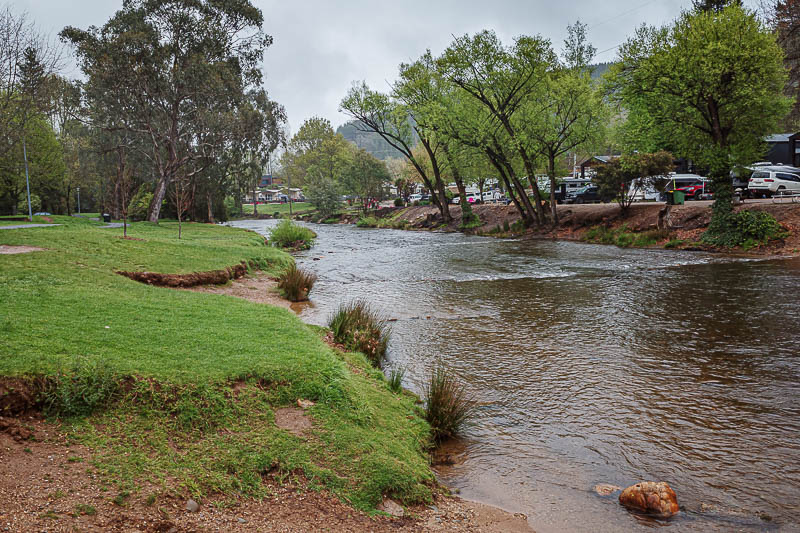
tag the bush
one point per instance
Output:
(398, 202)
(79, 390)
(448, 405)
(396, 379)
(290, 235)
(360, 329)
(674, 243)
(296, 283)
(368, 222)
(139, 204)
(506, 227)
(747, 228)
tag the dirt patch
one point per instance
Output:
(210, 277)
(48, 484)
(260, 289)
(293, 419)
(7, 249)
(130, 238)
(17, 396)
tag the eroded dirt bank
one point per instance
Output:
(685, 222)
(47, 483)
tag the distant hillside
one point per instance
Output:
(371, 142)
(599, 69)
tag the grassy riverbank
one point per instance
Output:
(175, 392)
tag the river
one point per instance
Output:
(592, 364)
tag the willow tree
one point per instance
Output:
(503, 79)
(712, 85)
(171, 63)
(384, 115)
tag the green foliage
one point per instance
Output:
(448, 405)
(623, 176)
(395, 381)
(674, 243)
(82, 389)
(139, 204)
(748, 228)
(473, 222)
(323, 194)
(398, 202)
(623, 238)
(368, 222)
(287, 234)
(506, 226)
(359, 328)
(364, 176)
(722, 96)
(296, 283)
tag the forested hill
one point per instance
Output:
(371, 142)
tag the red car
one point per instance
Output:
(693, 191)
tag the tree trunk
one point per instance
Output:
(154, 211)
(551, 171)
(210, 210)
(439, 188)
(255, 200)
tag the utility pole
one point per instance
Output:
(79, 200)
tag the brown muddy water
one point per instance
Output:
(593, 364)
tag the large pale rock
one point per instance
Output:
(650, 497)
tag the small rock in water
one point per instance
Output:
(605, 489)
(192, 506)
(651, 497)
(304, 404)
(391, 507)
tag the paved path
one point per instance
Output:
(23, 226)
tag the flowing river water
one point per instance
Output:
(593, 364)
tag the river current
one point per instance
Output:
(592, 364)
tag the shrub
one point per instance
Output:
(290, 235)
(448, 405)
(368, 222)
(748, 229)
(506, 227)
(359, 328)
(398, 202)
(674, 243)
(79, 390)
(139, 204)
(416, 203)
(396, 379)
(296, 283)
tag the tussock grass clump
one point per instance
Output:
(395, 380)
(84, 388)
(361, 329)
(448, 405)
(368, 222)
(287, 234)
(296, 283)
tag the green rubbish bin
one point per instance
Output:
(678, 197)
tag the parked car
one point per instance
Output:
(414, 198)
(472, 198)
(693, 191)
(42, 214)
(585, 195)
(491, 196)
(767, 181)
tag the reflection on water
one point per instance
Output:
(593, 365)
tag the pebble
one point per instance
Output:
(192, 506)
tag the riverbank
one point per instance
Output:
(156, 396)
(679, 227)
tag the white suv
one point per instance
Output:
(766, 181)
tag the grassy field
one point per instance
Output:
(177, 389)
(283, 209)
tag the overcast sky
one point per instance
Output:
(321, 46)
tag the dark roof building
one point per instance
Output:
(784, 149)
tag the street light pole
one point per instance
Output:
(79, 200)
(27, 180)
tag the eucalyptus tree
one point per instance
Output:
(384, 115)
(712, 84)
(503, 78)
(171, 64)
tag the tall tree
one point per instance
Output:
(172, 63)
(786, 21)
(712, 84)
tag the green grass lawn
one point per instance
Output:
(177, 388)
(270, 209)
